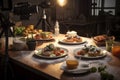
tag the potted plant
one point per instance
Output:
(31, 42)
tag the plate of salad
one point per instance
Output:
(90, 52)
(51, 52)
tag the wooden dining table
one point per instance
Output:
(51, 68)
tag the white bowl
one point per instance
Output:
(19, 44)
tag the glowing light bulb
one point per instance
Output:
(62, 2)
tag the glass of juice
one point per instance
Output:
(116, 49)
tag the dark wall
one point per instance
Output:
(34, 17)
(71, 11)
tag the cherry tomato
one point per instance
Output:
(61, 51)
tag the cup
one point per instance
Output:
(116, 49)
(31, 45)
(109, 43)
(72, 64)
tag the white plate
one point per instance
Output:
(71, 43)
(103, 52)
(79, 70)
(54, 57)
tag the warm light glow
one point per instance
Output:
(62, 2)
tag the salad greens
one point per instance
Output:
(19, 30)
(93, 69)
(103, 73)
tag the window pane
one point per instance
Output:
(110, 3)
(112, 11)
(97, 3)
(107, 4)
(96, 12)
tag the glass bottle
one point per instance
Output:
(56, 28)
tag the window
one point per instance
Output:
(107, 6)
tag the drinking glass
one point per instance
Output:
(109, 43)
(116, 49)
